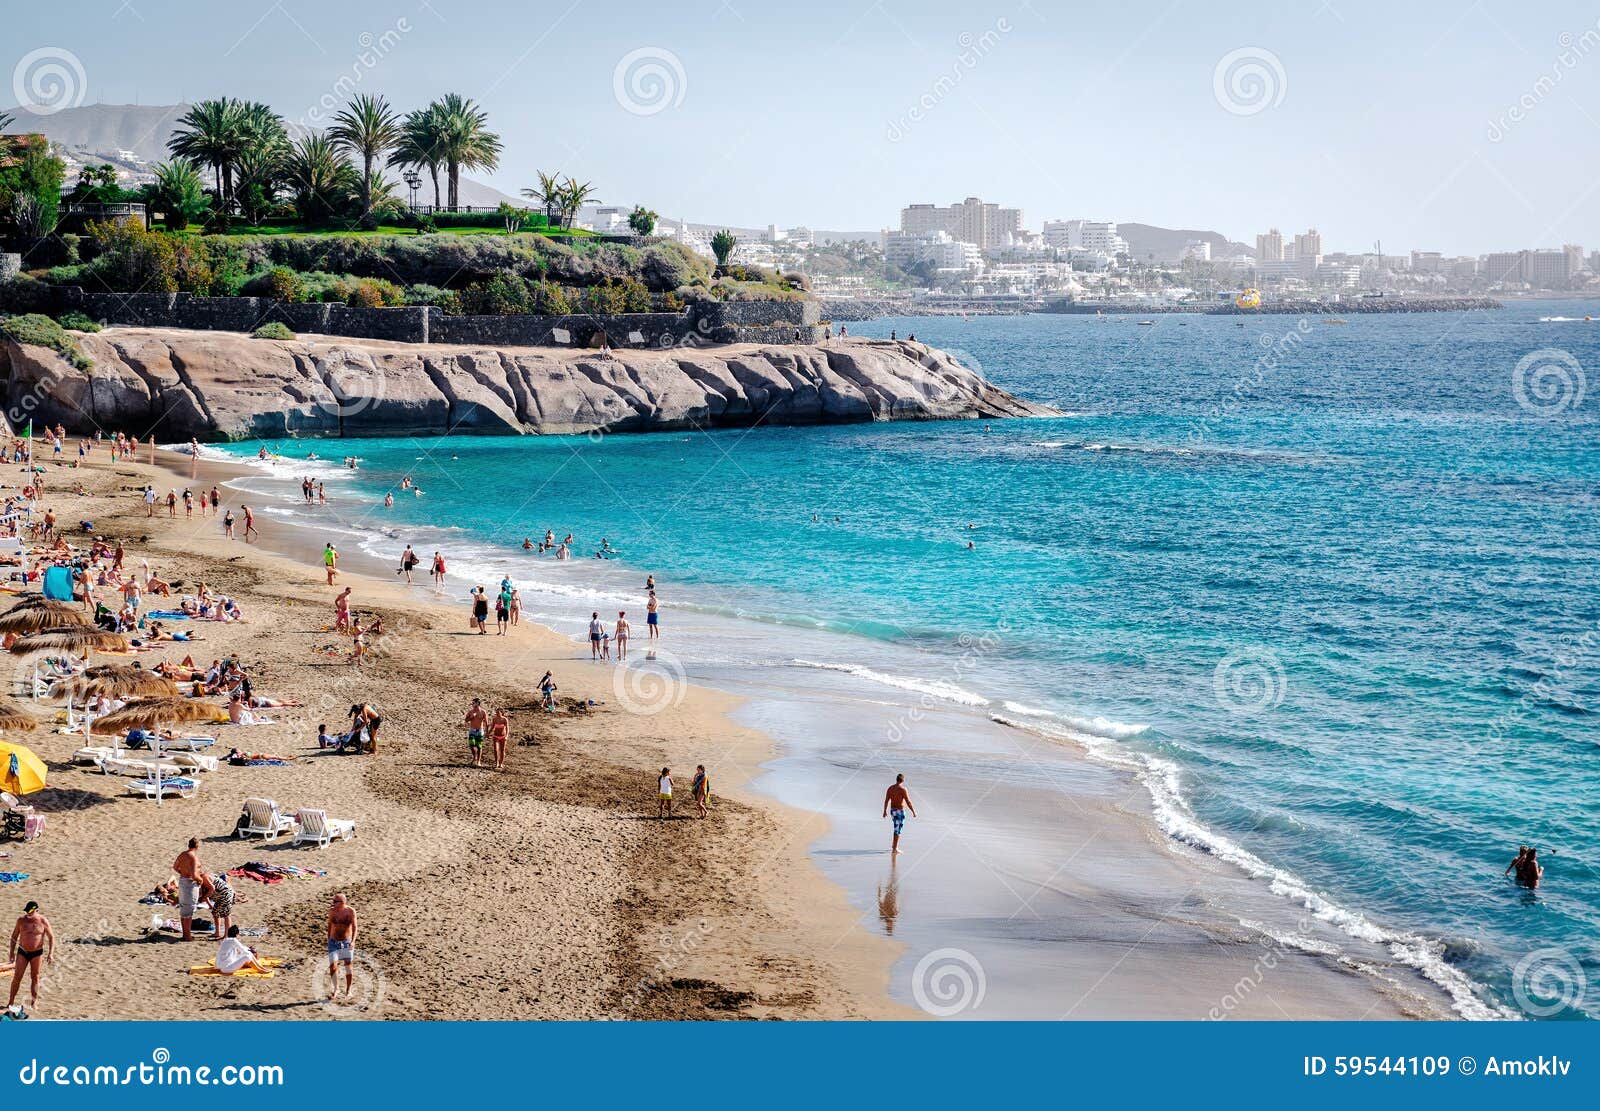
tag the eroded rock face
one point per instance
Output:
(221, 385)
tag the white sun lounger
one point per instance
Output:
(264, 819)
(315, 826)
(181, 787)
(145, 767)
(187, 744)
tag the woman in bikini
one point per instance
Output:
(499, 732)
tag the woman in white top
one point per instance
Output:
(664, 794)
(234, 955)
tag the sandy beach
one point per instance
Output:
(550, 890)
(545, 891)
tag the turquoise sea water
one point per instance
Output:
(1337, 583)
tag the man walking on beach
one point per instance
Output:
(341, 944)
(330, 561)
(249, 524)
(31, 943)
(188, 868)
(896, 801)
(476, 720)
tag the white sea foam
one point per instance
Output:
(938, 688)
(1162, 779)
(1097, 725)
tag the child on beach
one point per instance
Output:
(664, 794)
(700, 789)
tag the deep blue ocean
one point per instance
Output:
(1340, 580)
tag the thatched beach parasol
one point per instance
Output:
(114, 681)
(33, 619)
(153, 713)
(40, 602)
(14, 718)
(69, 638)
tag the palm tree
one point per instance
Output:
(212, 133)
(6, 120)
(722, 245)
(643, 220)
(548, 194)
(180, 192)
(573, 195)
(367, 127)
(464, 141)
(322, 181)
(419, 145)
(260, 171)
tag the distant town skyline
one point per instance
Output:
(1442, 127)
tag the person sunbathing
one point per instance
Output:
(234, 955)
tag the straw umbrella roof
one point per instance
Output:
(69, 639)
(15, 718)
(156, 712)
(114, 681)
(40, 602)
(33, 619)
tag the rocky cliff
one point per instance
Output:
(217, 385)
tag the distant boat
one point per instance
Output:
(1145, 323)
(1334, 320)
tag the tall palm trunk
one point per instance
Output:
(433, 171)
(455, 183)
(366, 184)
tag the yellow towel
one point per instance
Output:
(210, 969)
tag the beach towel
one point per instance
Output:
(13, 877)
(210, 969)
(169, 615)
(58, 583)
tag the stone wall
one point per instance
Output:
(10, 265)
(706, 322)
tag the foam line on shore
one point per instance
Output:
(1161, 778)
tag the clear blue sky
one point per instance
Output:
(1377, 119)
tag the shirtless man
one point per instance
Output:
(341, 944)
(31, 940)
(476, 721)
(250, 525)
(188, 868)
(896, 801)
(1527, 867)
(652, 618)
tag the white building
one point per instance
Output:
(1197, 249)
(1085, 235)
(938, 247)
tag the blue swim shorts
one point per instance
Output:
(899, 818)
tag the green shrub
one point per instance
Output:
(24, 294)
(40, 331)
(446, 300)
(273, 329)
(133, 259)
(66, 275)
(78, 322)
(279, 284)
(501, 295)
(551, 299)
(375, 293)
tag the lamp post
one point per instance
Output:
(413, 182)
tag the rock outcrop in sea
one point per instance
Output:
(217, 385)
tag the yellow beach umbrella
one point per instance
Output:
(21, 772)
